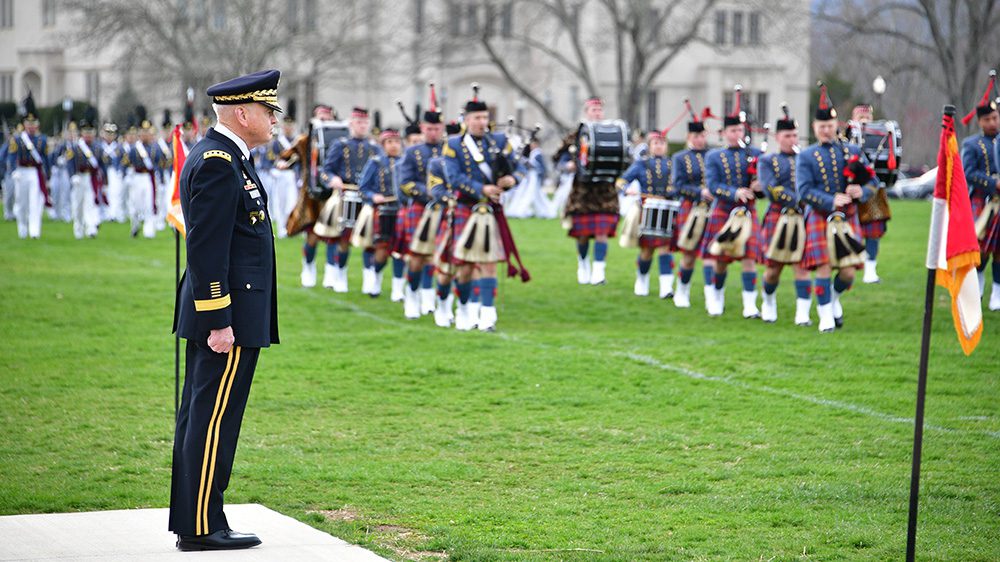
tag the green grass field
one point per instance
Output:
(594, 425)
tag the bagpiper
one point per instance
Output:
(418, 291)
(875, 230)
(832, 177)
(688, 179)
(783, 230)
(732, 233)
(980, 161)
(342, 167)
(28, 158)
(480, 166)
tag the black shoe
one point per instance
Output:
(226, 539)
(838, 322)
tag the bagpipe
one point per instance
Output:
(845, 247)
(306, 208)
(880, 141)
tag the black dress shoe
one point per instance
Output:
(226, 539)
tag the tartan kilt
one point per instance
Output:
(767, 229)
(655, 242)
(718, 218)
(461, 216)
(594, 224)
(873, 230)
(816, 252)
(406, 225)
(978, 203)
(991, 244)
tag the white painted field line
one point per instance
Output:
(655, 363)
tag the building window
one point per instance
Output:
(293, 15)
(754, 31)
(418, 16)
(507, 19)
(199, 13)
(6, 13)
(761, 106)
(48, 13)
(93, 87)
(737, 28)
(7, 86)
(309, 15)
(218, 15)
(490, 21)
(651, 110)
(472, 19)
(720, 27)
(455, 19)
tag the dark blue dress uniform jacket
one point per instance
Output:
(230, 277)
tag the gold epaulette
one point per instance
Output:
(217, 154)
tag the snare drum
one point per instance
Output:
(602, 150)
(350, 206)
(386, 214)
(658, 217)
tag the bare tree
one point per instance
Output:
(947, 44)
(646, 36)
(197, 43)
(628, 43)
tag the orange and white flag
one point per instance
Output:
(953, 249)
(174, 215)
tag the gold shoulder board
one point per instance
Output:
(217, 154)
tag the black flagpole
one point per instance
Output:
(918, 427)
(177, 338)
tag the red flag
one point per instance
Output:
(953, 249)
(174, 215)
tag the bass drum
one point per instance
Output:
(602, 150)
(876, 145)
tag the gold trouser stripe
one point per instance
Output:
(206, 305)
(215, 441)
(208, 444)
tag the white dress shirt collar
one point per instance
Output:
(226, 131)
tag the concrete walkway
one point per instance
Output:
(141, 534)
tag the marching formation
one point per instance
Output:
(433, 200)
